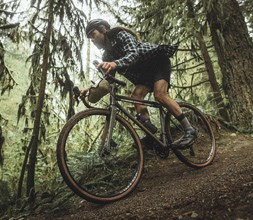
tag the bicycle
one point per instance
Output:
(99, 151)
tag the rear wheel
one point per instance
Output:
(96, 174)
(202, 152)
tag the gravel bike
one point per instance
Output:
(100, 154)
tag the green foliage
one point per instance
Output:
(65, 50)
(156, 21)
(12, 148)
(7, 81)
(247, 8)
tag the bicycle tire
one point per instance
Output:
(202, 152)
(97, 178)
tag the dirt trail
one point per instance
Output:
(171, 190)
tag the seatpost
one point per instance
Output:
(162, 121)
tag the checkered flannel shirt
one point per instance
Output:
(125, 50)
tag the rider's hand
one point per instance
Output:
(84, 92)
(107, 66)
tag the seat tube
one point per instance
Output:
(162, 122)
(113, 110)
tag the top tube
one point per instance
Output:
(137, 101)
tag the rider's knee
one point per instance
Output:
(159, 97)
(138, 94)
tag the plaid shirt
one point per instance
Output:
(125, 50)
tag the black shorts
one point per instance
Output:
(148, 72)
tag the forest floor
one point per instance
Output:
(171, 190)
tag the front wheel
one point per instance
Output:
(97, 173)
(202, 152)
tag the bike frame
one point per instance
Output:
(115, 105)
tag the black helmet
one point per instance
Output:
(94, 24)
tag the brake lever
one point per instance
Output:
(76, 92)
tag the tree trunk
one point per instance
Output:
(36, 129)
(1, 145)
(209, 66)
(234, 49)
(212, 78)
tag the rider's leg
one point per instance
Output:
(160, 94)
(139, 92)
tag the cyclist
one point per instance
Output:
(146, 65)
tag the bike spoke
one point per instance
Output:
(94, 170)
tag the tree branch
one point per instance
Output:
(191, 86)
(8, 26)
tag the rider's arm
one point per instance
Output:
(129, 45)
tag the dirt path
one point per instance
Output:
(170, 190)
